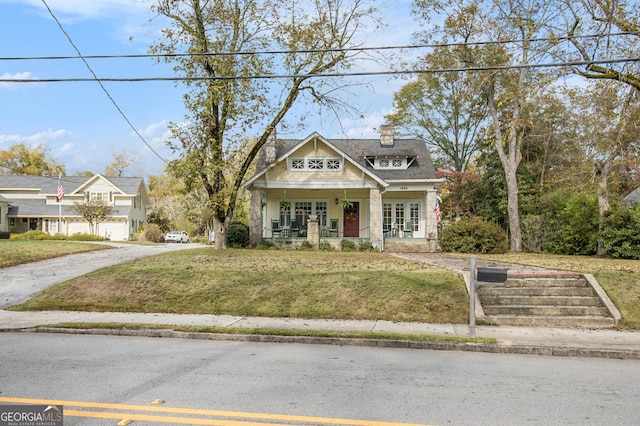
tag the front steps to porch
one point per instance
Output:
(409, 245)
(551, 300)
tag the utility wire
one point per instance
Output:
(307, 51)
(104, 89)
(343, 74)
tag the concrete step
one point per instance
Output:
(537, 282)
(545, 310)
(551, 321)
(553, 300)
(491, 291)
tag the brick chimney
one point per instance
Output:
(386, 135)
(270, 148)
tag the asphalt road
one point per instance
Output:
(19, 283)
(311, 384)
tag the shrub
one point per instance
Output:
(347, 245)
(306, 245)
(80, 236)
(325, 246)
(152, 232)
(238, 235)
(266, 245)
(576, 227)
(31, 235)
(621, 233)
(474, 236)
(365, 246)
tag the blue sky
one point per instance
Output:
(77, 121)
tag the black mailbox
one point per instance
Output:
(491, 275)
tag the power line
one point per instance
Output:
(331, 50)
(104, 89)
(323, 75)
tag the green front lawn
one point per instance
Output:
(16, 252)
(272, 283)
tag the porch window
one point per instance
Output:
(285, 215)
(321, 211)
(414, 215)
(387, 217)
(303, 210)
(400, 215)
(396, 214)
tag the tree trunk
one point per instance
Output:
(220, 233)
(602, 170)
(510, 161)
(513, 209)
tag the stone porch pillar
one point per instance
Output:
(255, 217)
(375, 218)
(431, 230)
(313, 231)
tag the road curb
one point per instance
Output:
(498, 348)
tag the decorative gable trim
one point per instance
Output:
(83, 188)
(317, 137)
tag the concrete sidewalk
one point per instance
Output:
(21, 282)
(520, 340)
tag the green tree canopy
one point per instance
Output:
(21, 160)
(228, 103)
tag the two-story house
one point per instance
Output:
(32, 202)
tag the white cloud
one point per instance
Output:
(39, 138)
(17, 76)
(85, 9)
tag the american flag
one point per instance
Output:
(60, 190)
(436, 209)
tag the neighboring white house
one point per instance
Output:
(390, 185)
(31, 202)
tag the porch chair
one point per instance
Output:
(275, 228)
(408, 229)
(333, 229)
(294, 229)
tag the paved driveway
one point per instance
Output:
(19, 283)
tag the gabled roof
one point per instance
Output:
(71, 184)
(358, 150)
(39, 208)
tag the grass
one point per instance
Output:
(272, 283)
(371, 335)
(619, 278)
(302, 284)
(16, 252)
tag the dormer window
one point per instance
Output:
(315, 164)
(390, 162)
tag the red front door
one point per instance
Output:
(351, 220)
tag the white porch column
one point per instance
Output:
(375, 218)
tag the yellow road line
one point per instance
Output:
(188, 411)
(166, 419)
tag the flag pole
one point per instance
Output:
(59, 196)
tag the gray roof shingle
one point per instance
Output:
(358, 149)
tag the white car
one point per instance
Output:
(176, 237)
